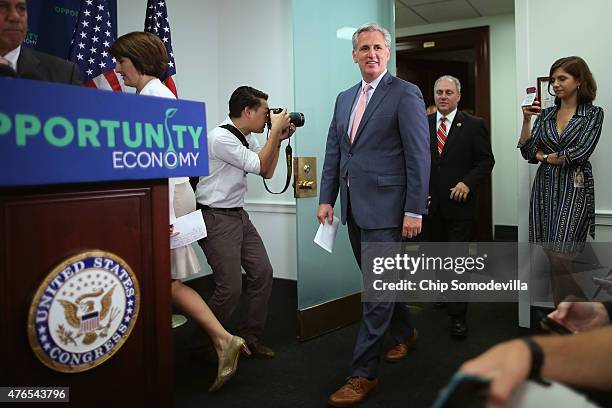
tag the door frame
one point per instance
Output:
(477, 39)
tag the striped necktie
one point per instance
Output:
(441, 135)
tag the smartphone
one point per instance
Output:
(530, 96)
(553, 325)
(464, 391)
(602, 282)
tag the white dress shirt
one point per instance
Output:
(229, 163)
(449, 120)
(12, 57)
(155, 87)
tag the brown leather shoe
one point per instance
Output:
(400, 350)
(259, 350)
(353, 392)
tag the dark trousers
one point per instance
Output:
(378, 317)
(232, 243)
(438, 228)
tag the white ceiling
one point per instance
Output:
(419, 12)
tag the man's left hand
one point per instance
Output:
(460, 192)
(411, 227)
(287, 132)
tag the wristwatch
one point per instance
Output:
(537, 358)
(545, 158)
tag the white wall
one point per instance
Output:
(219, 46)
(550, 29)
(504, 130)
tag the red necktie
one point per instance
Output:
(441, 135)
(361, 105)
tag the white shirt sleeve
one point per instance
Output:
(227, 147)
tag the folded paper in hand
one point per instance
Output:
(326, 234)
(187, 229)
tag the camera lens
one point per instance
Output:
(297, 118)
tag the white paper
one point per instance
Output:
(529, 99)
(187, 229)
(326, 234)
(531, 394)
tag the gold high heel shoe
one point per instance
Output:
(228, 362)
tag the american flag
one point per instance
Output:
(92, 38)
(157, 23)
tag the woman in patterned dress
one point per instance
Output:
(563, 137)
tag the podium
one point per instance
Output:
(56, 205)
(39, 228)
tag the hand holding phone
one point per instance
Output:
(554, 326)
(530, 104)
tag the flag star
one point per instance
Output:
(105, 54)
(158, 14)
(100, 7)
(81, 45)
(151, 6)
(108, 33)
(89, 2)
(87, 13)
(91, 60)
(80, 56)
(94, 39)
(149, 27)
(167, 21)
(102, 65)
(42, 329)
(93, 50)
(46, 346)
(89, 72)
(166, 29)
(155, 29)
(171, 64)
(106, 44)
(114, 60)
(126, 319)
(161, 3)
(108, 23)
(165, 39)
(98, 17)
(85, 23)
(43, 338)
(172, 54)
(149, 17)
(130, 302)
(96, 29)
(83, 35)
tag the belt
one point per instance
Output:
(207, 208)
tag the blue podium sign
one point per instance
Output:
(53, 133)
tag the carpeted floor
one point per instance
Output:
(305, 374)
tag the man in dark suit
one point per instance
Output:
(377, 157)
(28, 63)
(461, 158)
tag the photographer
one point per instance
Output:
(232, 241)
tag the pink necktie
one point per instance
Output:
(361, 105)
(441, 135)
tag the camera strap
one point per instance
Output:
(236, 132)
(289, 161)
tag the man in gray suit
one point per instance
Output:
(28, 63)
(377, 157)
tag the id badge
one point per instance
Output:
(578, 178)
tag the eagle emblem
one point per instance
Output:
(87, 314)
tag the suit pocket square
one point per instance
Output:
(398, 180)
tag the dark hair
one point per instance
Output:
(578, 68)
(243, 97)
(146, 51)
